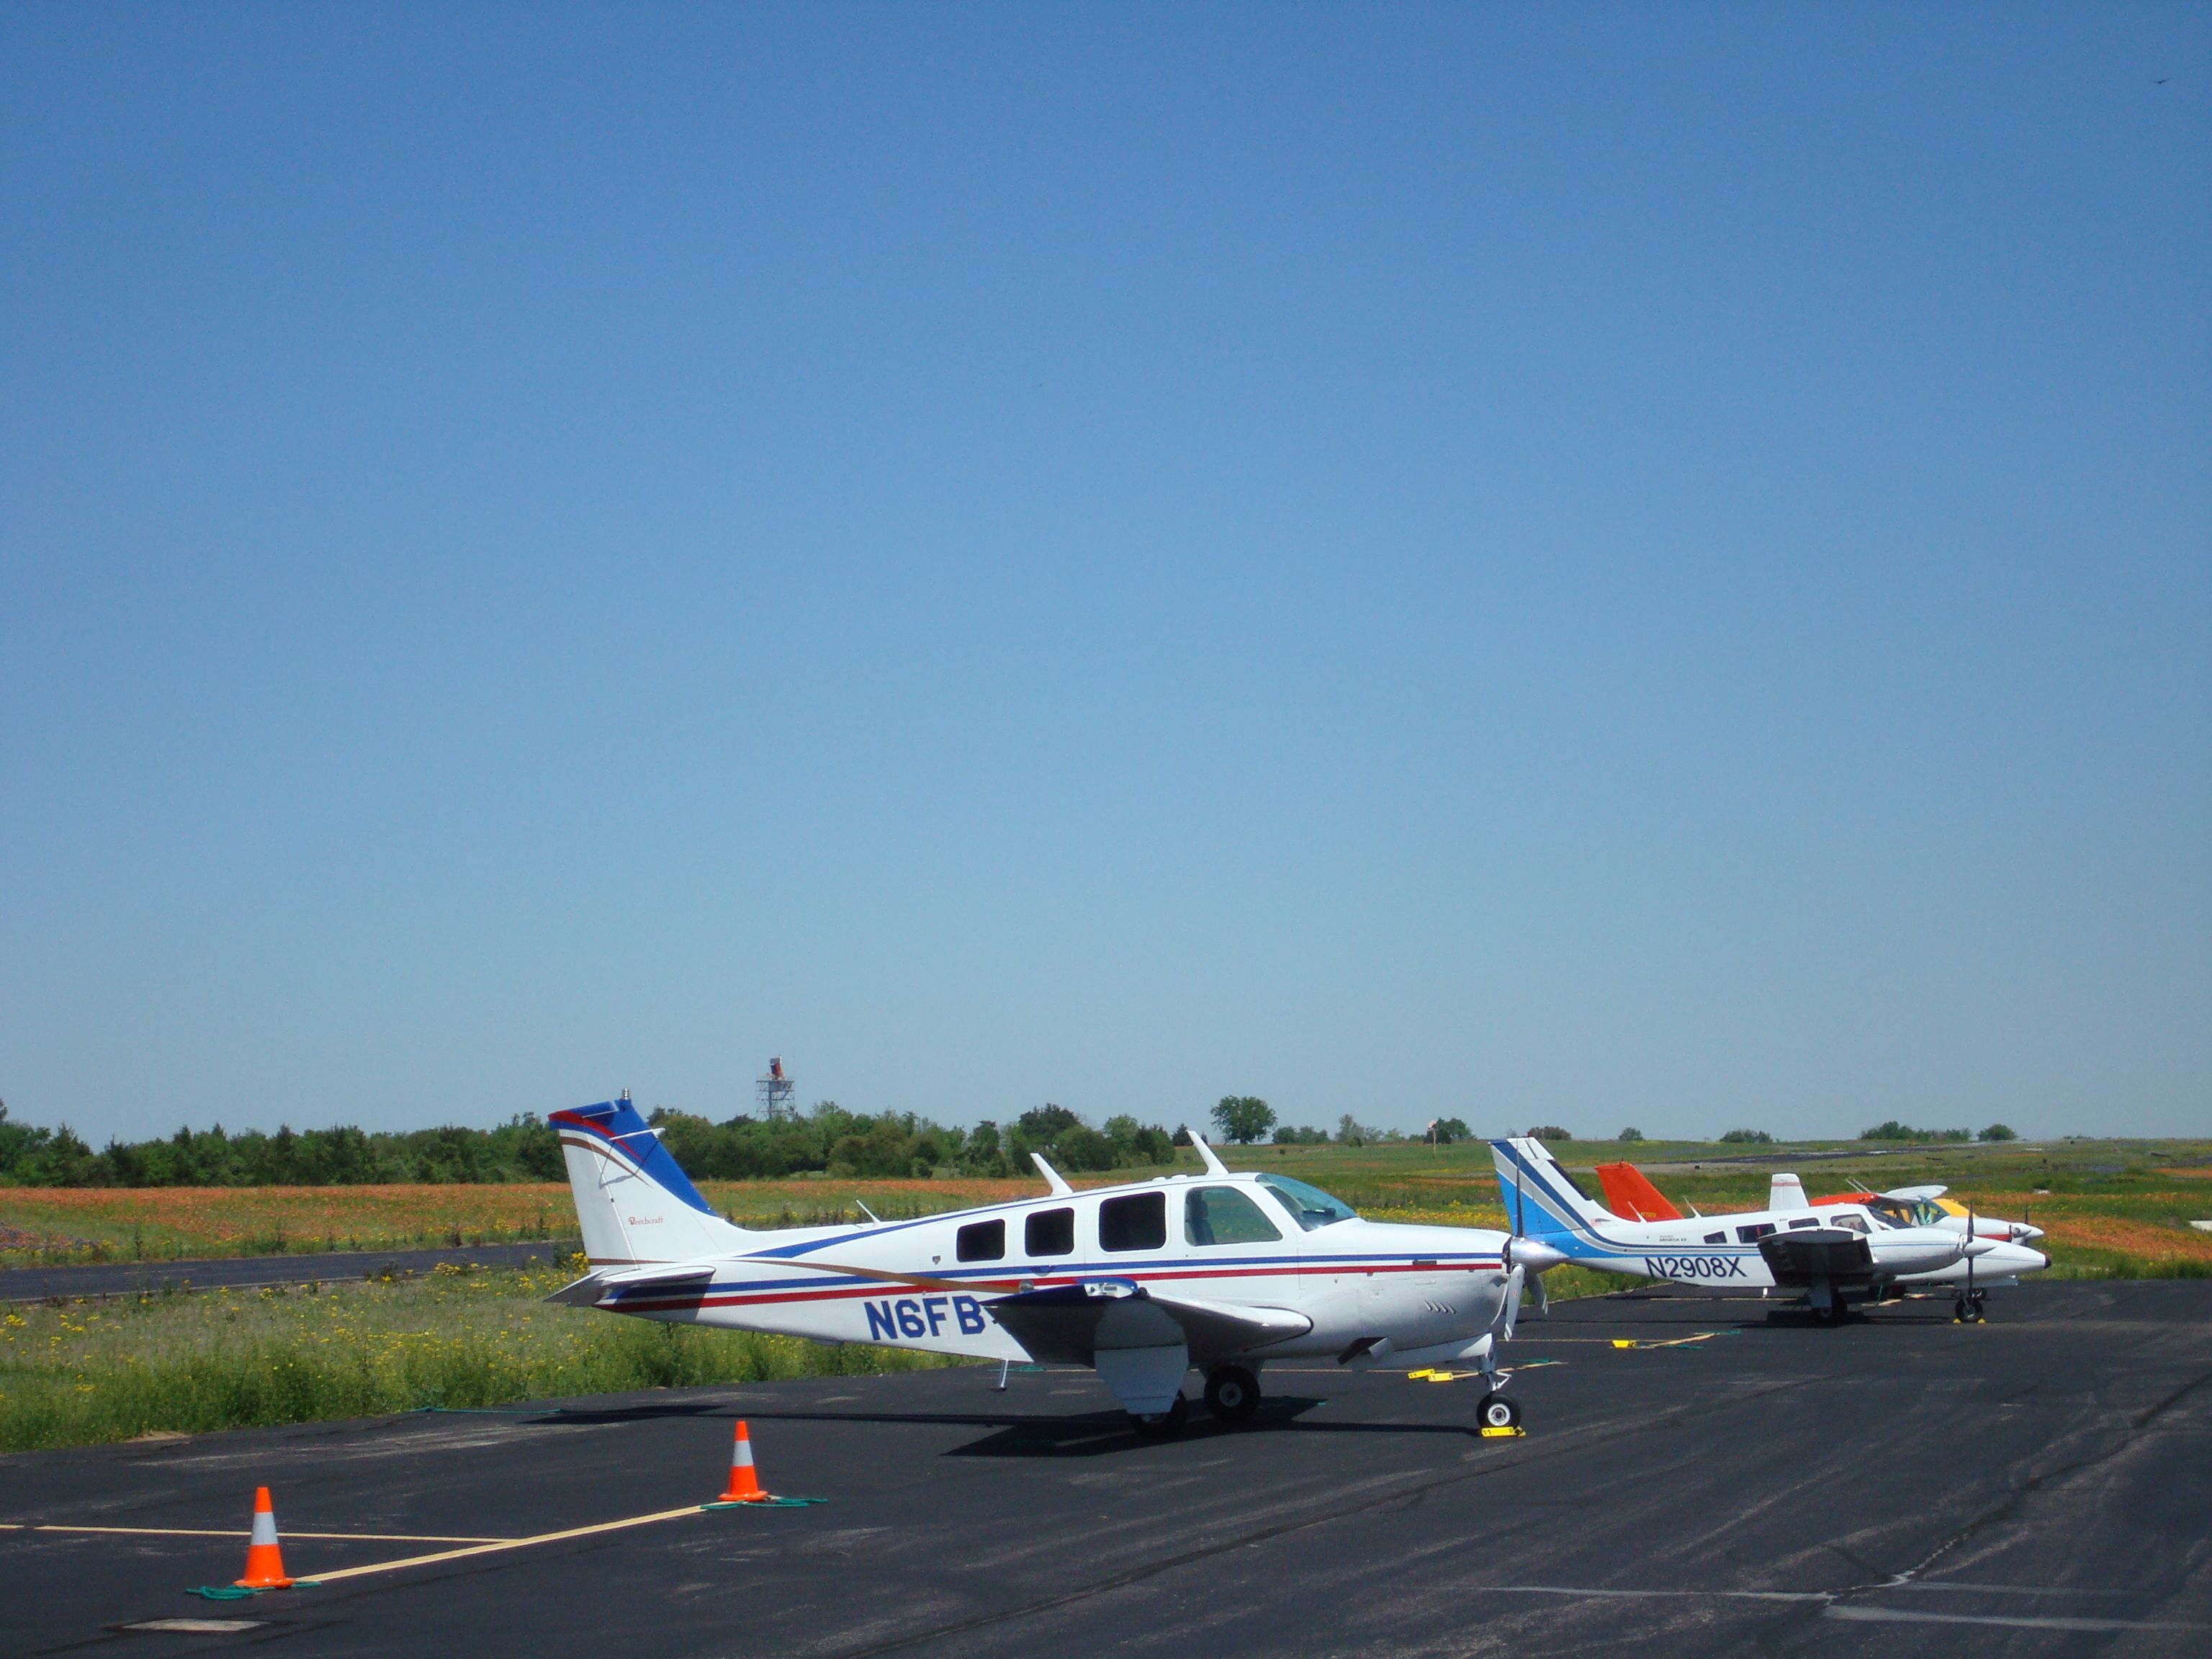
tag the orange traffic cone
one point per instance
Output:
(744, 1482)
(264, 1563)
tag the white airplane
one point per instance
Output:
(1912, 1206)
(1837, 1254)
(1628, 1195)
(1141, 1282)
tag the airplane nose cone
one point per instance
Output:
(1536, 1258)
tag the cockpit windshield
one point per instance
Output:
(1308, 1206)
(1905, 1212)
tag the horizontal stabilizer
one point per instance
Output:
(594, 1289)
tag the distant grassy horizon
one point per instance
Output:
(2109, 1205)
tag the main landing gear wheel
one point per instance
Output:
(1167, 1423)
(1495, 1411)
(1969, 1310)
(1232, 1394)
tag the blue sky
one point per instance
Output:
(1634, 565)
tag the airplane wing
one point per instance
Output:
(1800, 1258)
(1069, 1324)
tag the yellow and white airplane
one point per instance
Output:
(1142, 1282)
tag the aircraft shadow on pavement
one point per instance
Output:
(1109, 1433)
(643, 1412)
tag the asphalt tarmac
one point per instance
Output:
(2041, 1485)
(247, 1273)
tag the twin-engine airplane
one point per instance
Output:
(1632, 1197)
(1140, 1282)
(1845, 1250)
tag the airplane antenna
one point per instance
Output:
(1206, 1154)
(1058, 1188)
(868, 1212)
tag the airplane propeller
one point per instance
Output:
(1525, 1260)
(1970, 1253)
(1510, 1307)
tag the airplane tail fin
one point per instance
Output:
(1785, 1192)
(632, 1202)
(1540, 1198)
(1632, 1196)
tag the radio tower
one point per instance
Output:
(774, 1090)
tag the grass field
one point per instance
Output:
(2108, 1206)
(79, 1372)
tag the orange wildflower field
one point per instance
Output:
(53, 1223)
(168, 1222)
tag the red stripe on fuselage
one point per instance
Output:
(765, 1298)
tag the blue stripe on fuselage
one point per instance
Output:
(1120, 1268)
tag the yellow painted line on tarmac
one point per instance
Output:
(496, 1546)
(233, 1531)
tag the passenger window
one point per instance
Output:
(1720, 1238)
(1049, 1232)
(1757, 1230)
(1222, 1215)
(1138, 1221)
(1856, 1224)
(1805, 1221)
(981, 1241)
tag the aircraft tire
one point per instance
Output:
(1496, 1411)
(1232, 1394)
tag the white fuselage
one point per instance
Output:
(1723, 1250)
(1401, 1290)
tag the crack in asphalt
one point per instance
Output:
(2004, 1507)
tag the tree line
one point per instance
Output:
(521, 1148)
(826, 1139)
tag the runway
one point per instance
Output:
(2036, 1486)
(249, 1272)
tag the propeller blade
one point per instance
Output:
(1543, 1298)
(1515, 1282)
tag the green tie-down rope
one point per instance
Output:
(765, 1504)
(239, 1593)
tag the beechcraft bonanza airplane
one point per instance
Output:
(1141, 1282)
(1840, 1252)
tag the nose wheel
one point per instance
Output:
(1969, 1310)
(1496, 1411)
(1232, 1394)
